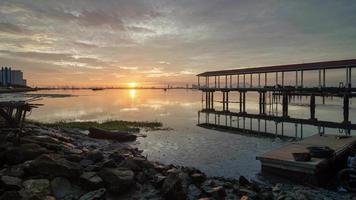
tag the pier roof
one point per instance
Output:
(284, 68)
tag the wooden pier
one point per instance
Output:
(318, 171)
(277, 85)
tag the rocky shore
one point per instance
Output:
(48, 163)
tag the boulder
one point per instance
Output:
(244, 182)
(198, 178)
(90, 180)
(193, 192)
(175, 186)
(49, 167)
(35, 189)
(217, 192)
(10, 195)
(86, 163)
(136, 164)
(61, 188)
(20, 154)
(11, 183)
(158, 180)
(95, 156)
(117, 180)
(94, 195)
(15, 170)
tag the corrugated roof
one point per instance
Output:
(284, 68)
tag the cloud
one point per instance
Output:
(128, 68)
(176, 38)
(164, 62)
(12, 29)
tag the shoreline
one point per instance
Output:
(65, 163)
(15, 90)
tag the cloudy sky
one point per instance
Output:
(153, 42)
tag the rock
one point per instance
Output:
(16, 171)
(46, 166)
(10, 195)
(247, 192)
(174, 187)
(95, 156)
(16, 155)
(158, 180)
(110, 164)
(74, 158)
(117, 157)
(94, 195)
(193, 192)
(86, 162)
(136, 164)
(141, 177)
(217, 192)
(243, 181)
(35, 188)
(61, 187)
(277, 188)
(198, 178)
(11, 183)
(90, 180)
(117, 180)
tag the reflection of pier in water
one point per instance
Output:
(276, 86)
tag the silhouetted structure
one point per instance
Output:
(272, 93)
(9, 77)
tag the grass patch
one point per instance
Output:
(111, 125)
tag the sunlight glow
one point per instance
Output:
(132, 84)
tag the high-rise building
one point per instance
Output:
(10, 77)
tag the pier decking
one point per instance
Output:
(280, 161)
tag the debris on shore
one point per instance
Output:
(50, 163)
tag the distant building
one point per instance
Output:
(9, 77)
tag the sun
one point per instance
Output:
(132, 84)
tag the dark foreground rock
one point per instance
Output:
(66, 165)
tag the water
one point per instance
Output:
(214, 152)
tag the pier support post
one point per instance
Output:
(223, 101)
(312, 107)
(227, 101)
(244, 102)
(240, 101)
(346, 108)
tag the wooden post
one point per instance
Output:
(198, 82)
(238, 81)
(346, 108)
(312, 106)
(244, 83)
(227, 101)
(296, 79)
(265, 79)
(240, 102)
(251, 81)
(259, 80)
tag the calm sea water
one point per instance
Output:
(214, 152)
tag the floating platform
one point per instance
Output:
(317, 171)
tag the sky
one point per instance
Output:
(159, 42)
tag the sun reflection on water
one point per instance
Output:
(132, 93)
